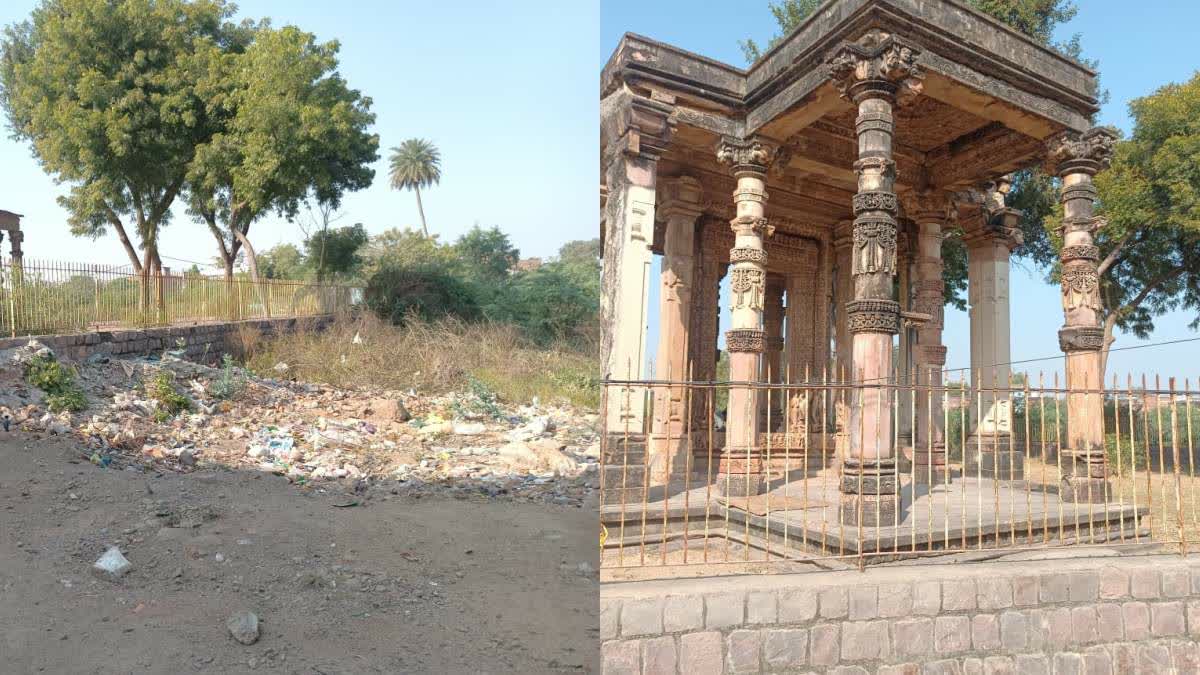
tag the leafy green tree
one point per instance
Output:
(486, 255)
(416, 164)
(337, 252)
(289, 126)
(429, 291)
(110, 93)
(284, 261)
(405, 248)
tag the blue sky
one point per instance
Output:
(1140, 46)
(507, 91)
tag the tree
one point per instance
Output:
(284, 261)
(289, 126)
(486, 255)
(405, 248)
(337, 251)
(110, 95)
(415, 164)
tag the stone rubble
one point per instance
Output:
(315, 433)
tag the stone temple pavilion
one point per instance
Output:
(822, 182)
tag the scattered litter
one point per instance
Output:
(112, 565)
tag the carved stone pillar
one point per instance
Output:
(680, 210)
(773, 344)
(1076, 158)
(705, 324)
(873, 73)
(843, 293)
(988, 450)
(929, 445)
(741, 470)
(904, 364)
(635, 131)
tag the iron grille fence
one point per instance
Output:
(672, 497)
(45, 297)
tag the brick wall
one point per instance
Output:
(1099, 616)
(202, 342)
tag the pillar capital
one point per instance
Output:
(1087, 153)
(927, 207)
(681, 197)
(877, 65)
(751, 155)
(635, 126)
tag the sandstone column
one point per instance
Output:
(904, 364)
(773, 344)
(929, 452)
(741, 470)
(635, 131)
(680, 210)
(843, 246)
(1076, 158)
(873, 73)
(988, 450)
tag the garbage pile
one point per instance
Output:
(466, 442)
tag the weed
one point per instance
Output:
(161, 389)
(478, 401)
(230, 383)
(57, 381)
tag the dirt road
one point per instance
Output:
(394, 584)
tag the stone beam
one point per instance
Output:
(994, 150)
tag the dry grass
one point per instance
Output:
(433, 358)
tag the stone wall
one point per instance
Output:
(203, 342)
(1110, 615)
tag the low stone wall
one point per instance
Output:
(1107, 616)
(202, 342)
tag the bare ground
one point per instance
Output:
(396, 584)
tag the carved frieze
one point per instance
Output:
(1080, 191)
(934, 306)
(744, 340)
(878, 65)
(932, 355)
(1080, 287)
(748, 287)
(746, 254)
(875, 200)
(1081, 338)
(880, 165)
(1084, 252)
(873, 316)
(1072, 152)
(874, 246)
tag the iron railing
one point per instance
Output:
(671, 499)
(46, 297)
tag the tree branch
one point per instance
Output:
(130, 251)
(1113, 254)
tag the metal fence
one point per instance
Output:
(45, 297)
(671, 496)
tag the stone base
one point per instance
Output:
(739, 485)
(930, 468)
(991, 456)
(1085, 490)
(875, 510)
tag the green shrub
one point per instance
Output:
(397, 292)
(478, 401)
(230, 383)
(58, 383)
(161, 389)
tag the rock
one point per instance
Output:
(187, 457)
(469, 429)
(112, 565)
(243, 626)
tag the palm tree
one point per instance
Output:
(416, 164)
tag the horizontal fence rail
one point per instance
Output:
(978, 470)
(46, 297)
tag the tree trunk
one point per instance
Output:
(421, 210)
(252, 263)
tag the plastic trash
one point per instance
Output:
(112, 565)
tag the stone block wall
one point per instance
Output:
(1106, 616)
(202, 342)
